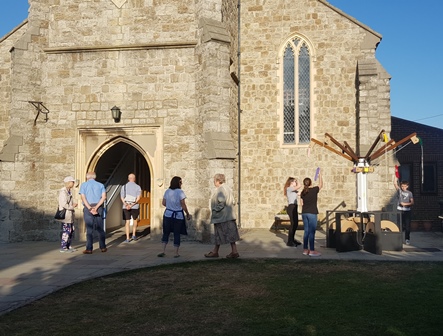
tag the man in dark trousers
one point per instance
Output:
(405, 202)
(93, 195)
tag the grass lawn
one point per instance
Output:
(245, 297)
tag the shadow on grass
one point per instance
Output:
(245, 297)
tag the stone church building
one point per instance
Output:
(197, 87)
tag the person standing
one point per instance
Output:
(93, 195)
(173, 217)
(309, 196)
(223, 218)
(405, 202)
(290, 190)
(66, 201)
(130, 195)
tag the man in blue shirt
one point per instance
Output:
(93, 195)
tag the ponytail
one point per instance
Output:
(307, 182)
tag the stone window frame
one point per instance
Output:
(303, 40)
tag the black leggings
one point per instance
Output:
(406, 223)
(293, 217)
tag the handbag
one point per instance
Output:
(60, 214)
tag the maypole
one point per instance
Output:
(362, 164)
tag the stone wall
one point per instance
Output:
(6, 44)
(79, 70)
(172, 65)
(338, 43)
(373, 117)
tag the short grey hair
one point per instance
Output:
(90, 175)
(220, 178)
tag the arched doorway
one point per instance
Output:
(112, 164)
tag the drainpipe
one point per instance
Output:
(238, 115)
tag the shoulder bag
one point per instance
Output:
(60, 214)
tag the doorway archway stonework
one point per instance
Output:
(93, 143)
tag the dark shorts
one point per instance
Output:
(135, 213)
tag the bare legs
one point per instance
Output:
(134, 228)
(128, 222)
(162, 254)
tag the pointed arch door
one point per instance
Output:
(113, 167)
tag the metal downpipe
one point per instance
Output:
(238, 114)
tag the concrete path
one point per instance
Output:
(31, 270)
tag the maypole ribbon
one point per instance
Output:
(415, 140)
(420, 141)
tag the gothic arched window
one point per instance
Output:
(296, 92)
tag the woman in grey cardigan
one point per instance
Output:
(66, 200)
(223, 218)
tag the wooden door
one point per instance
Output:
(145, 214)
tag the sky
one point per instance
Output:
(410, 51)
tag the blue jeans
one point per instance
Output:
(310, 226)
(94, 223)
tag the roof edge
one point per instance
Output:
(416, 123)
(13, 30)
(339, 11)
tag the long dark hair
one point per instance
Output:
(307, 182)
(287, 184)
(176, 183)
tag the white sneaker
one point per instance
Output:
(314, 254)
(408, 242)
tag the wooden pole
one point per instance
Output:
(331, 149)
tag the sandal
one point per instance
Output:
(161, 255)
(233, 255)
(211, 255)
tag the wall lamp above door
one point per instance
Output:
(116, 113)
